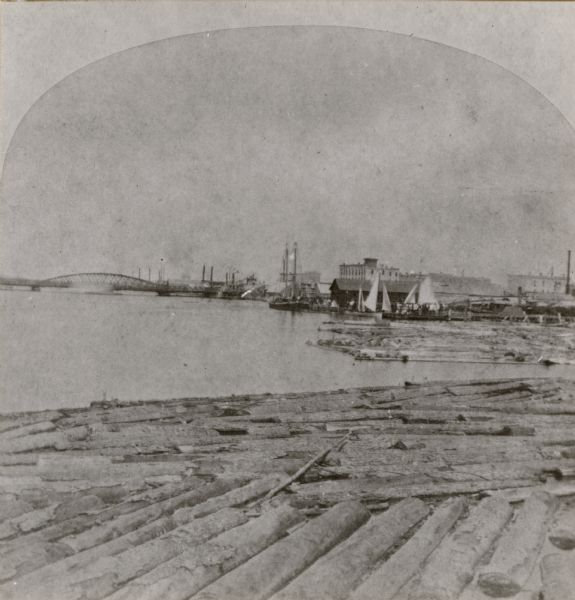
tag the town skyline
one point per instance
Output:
(367, 149)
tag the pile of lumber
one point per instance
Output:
(451, 342)
(445, 490)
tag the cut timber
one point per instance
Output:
(517, 551)
(316, 459)
(335, 575)
(34, 550)
(235, 497)
(141, 535)
(271, 570)
(41, 427)
(57, 440)
(558, 576)
(102, 577)
(183, 576)
(404, 564)
(132, 520)
(451, 566)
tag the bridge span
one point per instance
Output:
(98, 281)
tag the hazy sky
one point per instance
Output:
(217, 148)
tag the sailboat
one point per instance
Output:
(371, 302)
(360, 301)
(368, 308)
(422, 293)
(291, 301)
(422, 296)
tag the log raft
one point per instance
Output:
(444, 490)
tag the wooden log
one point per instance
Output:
(273, 568)
(34, 550)
(316, 459)
(517, 550)
(335, 575)
(381, 489)
(520, 494)
(103, 576)
(40, 427)
(490, 389)
(558, 576)
(35, 519)
(235, 497)
(18, 420)
(564, 539)
(12, 506)
(183, 576)
(451, 566)
(81, 560)
(57, 440)
(406, 562)
(125, 523)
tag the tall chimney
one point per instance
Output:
(203, 272)
(568, 285)
(211, 274)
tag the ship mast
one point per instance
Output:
(286, 268)
(294, 268)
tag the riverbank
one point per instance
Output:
(424, 486)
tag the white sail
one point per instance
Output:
(371, 302)
(360, 303)
(426, 295)
(422, 293)
(386, 304)
(412, 296)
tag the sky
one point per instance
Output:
(218, 147)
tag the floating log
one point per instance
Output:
(34, 550)
(125, 523)
(143, 534)
(185, 575)
(17, 432)
(18, 420)
(105, 575)
(57, 440)
(558, 576)
(316, 459)
(335, 575)
(235, 497)
(517, 551)
(271, 570)
(406, 562)
(451, 566)
(564, 539)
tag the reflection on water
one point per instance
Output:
(69, 349)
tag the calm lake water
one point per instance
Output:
(69, 349)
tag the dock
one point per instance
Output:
(447, 490)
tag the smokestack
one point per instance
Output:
(211, 274)
(203, 272)
(568, 284)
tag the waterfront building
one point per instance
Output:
(452, 287)
(536, 284)
(367, 270)
(345, 291)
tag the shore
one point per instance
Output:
(429, 488)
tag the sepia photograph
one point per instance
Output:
(287, 300)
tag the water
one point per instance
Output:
(68, 349)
